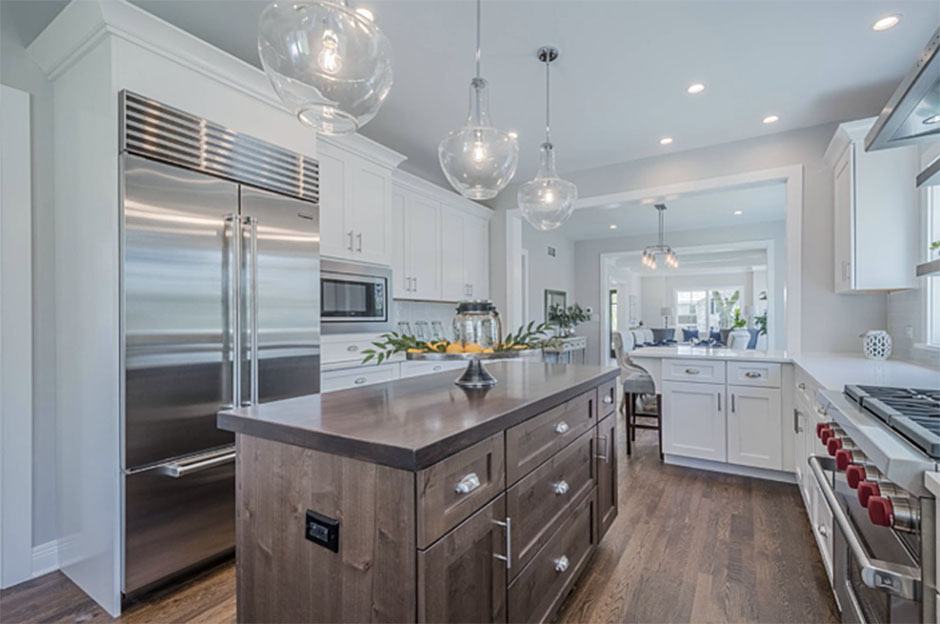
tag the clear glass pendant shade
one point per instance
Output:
(330, 65)
(547, 201)
(478, 159)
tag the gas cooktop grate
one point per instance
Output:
(912, 412)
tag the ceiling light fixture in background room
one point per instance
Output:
(547, 201)
(479, 160)
(662, 249)
(330, 65)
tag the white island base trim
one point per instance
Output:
(733, 469)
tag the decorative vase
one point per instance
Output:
(739, 338)
(876, 344)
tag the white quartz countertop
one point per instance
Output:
(831, 370)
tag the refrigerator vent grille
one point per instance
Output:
(164, 133)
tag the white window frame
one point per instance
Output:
(930, 203)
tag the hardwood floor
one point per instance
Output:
(688, 546)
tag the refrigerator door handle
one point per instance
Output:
(177, 469)
(234, 299)
(252, 223)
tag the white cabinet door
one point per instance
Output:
(843, 205)
(453, 284)
(754, 427)
(400, 279)
(369, 205)
(423, 247)
(335, 235)
(694, 420)
(476, 257)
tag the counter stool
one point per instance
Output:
(637, 383)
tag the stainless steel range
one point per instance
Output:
(878, 446)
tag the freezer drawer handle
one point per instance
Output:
(893, 578)
(183, 468)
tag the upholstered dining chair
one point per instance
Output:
(637, 384)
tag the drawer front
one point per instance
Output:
(542, 500)
(766, 374)
(530, 443)
(606, 398)
(538, 591)
(355, 377)
(346, 348)
(415, 368)
(703, 371)
(454, 488)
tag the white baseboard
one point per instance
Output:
(744, 471)
(45, 558)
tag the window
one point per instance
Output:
(612, 306)
(698, 309)
(933, 281)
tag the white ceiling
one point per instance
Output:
(620, 84)
(710, 209)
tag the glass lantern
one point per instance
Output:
(477, 322)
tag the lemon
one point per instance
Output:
(519, 347)
(487, 350)
(473, 348)
(454, 347)
(416, 350)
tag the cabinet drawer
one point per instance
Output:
(454, 488)
(539, 589)
(355, 377)
(345, 348)
(530, 443)
(542, 500)
(702, 371)
(765, 374)
(412, 368)
(606, 398)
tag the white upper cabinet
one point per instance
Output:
(453, 284)
(875, 212)
(355, 200)
(416, 242)
(476, 253)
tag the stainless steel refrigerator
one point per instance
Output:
(220, 295)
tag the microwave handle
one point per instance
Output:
(896, 579)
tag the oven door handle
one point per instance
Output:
(896, 579)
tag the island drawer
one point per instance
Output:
(766, 374)
(540, 588)
(530, 443)
(452, 489)
(701, 371)
(542, 500)
(355, 377)
(606, 398)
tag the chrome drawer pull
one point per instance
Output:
(508, 556)
(359, 381)
(437, 368)
(604, 456)
(823, 530)
(468, 483)
(561, 487)
(821, 411)
(608, 400)
(561, 564)
(692, 371)
(752, 375)
(561, 427)
(802, 386)
(352, 348)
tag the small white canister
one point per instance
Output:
(876, 344)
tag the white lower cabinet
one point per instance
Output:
(694, 420)
(754, 435)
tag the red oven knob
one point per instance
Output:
(820, 427)
(867, 490)
(881, 511)
(855, 474)
(843, 458)
(833, 444)
(825, 435)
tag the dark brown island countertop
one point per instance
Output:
(415, 422)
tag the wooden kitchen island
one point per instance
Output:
(417, 500)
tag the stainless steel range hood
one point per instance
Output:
(912, 115)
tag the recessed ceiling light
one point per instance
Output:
(665, 141)
(513, 134)
(769, 119)
(737, 212)
(886, 22)
(697, 87)
(613, 226)
(648, 200)
(671, 197)
(932, 120)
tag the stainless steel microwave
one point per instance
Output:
(354, 297)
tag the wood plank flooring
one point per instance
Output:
(688, 546)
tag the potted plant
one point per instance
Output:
(739, 333)
(726, 309)
(566, 319)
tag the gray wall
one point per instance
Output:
(18, 70)
(830, 322)
(547, 272)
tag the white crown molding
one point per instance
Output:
(364, 147)
(848, 132)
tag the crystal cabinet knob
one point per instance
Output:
(561, 487)
(561, 564)
(561, 427)
(468, 483)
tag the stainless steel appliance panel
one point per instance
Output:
(282, 296)
(355, 297)
(176, 250)
(178, 515)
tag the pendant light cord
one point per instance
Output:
(478, 38)
(660, 226)
(548, 126)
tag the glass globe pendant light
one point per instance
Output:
(547, 201)
(329, 64)
(479, 160)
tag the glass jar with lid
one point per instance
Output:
(477, 322)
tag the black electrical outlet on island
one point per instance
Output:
(322, 530)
